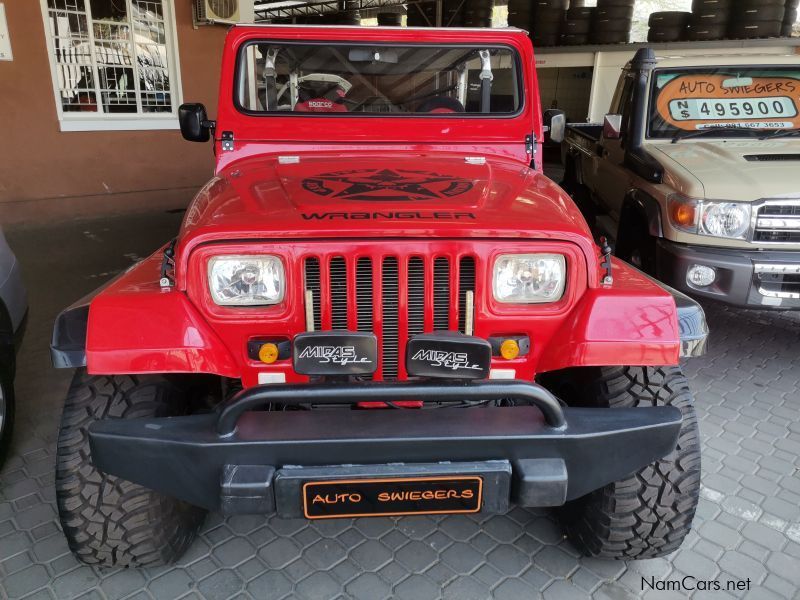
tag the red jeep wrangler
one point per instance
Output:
(379, 305)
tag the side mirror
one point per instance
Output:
(612, 127)
(556, 121)
(195, 126)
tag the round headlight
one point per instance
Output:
(725, 219)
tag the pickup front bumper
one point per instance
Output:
(243, 460)
(745, 278)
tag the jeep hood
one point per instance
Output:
(360, 196)
(727, 169)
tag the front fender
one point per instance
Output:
(133, 325)
(632, 322)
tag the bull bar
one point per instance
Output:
(241, 460)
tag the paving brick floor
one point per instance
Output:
(747, 527)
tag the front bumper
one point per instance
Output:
(241, 460)
(745, 278)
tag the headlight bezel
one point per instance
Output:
(679, 205)
(561, 288)
(275, 260)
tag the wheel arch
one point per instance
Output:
(640, 205)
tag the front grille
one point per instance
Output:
(771, 157)
(395, 297)
(779, 285)
(778, 224)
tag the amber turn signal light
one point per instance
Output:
(509, 349)
(683, 214)
(268, 353)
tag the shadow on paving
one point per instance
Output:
(748, 523)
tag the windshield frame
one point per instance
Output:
(518, 75)
(668, 135)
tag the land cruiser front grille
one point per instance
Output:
(771, 157)
(390, 298)
(778, 224)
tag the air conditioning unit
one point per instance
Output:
(225, 12)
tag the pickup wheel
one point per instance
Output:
(109, 521)
(648, 514)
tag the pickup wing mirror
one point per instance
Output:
(195, 126)
(612, 127)
(556, 122)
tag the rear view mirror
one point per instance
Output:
(195, 126)
(612, 127)
(556, 121)
(378, 55)
(736, 82)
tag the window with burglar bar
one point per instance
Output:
(113, 60)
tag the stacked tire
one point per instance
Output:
(390, 19)
(709, 20)
(789, 17)
(577, 25)
(612, 22)
(668, 26)
(421, 14)
(756, 18)
(453, 13)
(476, 13)
(545, 21)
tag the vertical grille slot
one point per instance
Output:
(441, 294)
(313, 283)
(338, 273)
(466, 283)
(416, 296)
(364, 313)
(391, 317)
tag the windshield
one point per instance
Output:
(748, 98)
(377, 79)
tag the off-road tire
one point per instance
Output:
(649, 513)
(109, 521)
(7, 406)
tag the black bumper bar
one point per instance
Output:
(209, 460)
(448, 392)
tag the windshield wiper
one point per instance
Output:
(685, 135)
(780, 133)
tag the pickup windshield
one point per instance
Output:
(729, 98)
(343, 79)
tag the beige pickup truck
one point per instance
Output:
(695, 173)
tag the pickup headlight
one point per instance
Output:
(716, 219)
(529, 278)
(246, 280)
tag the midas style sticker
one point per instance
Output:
(701, 101)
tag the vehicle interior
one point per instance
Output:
(372, 79)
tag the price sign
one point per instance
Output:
(702, 101)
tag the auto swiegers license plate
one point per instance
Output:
(392, 496)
